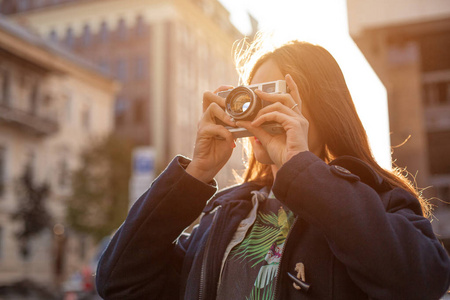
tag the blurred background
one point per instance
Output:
(97, 96)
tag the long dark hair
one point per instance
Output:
(324, 91)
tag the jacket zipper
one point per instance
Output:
(205, 255)
(281, 261)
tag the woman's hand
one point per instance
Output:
(214, 143)
(285, 112)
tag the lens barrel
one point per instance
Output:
(242, 104)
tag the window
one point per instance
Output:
(30, 163)
(437, 93)
(120, 111)
(138, 111)
(140, 26)
(443, 193)
(122, 70)
(53, 37)
(34, 98)
(63, 178)
(87, 35)
(104, 66)
(122, 30)
(434, 51)
(26, 250)
(5, 84)
(438, 149)
(38, 3)
(69, 37)
(140, 68)
(1, 242)
(104, 34)
(22, 5)
(2, 170)
(86, 118)
(69, 107)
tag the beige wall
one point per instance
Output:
(406, 117)
(368, 14)
(67, 95)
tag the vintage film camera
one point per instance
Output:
(243, 104)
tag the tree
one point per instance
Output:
(31, 210)
(99, 200)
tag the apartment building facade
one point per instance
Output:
(407, 42)
(51, 104)
(165, 54)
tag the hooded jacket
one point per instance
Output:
(357, 237)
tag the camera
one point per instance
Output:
(243, 104)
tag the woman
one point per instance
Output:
(316, 217)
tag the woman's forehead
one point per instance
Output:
(268, 71)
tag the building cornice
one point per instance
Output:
(77, 14)
(21, 43)
(412, 29)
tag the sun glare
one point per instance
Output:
(324, 22)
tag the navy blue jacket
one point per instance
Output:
(357, 237)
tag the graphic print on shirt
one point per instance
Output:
(263, 247)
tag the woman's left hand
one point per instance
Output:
(285, 112)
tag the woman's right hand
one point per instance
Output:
(214, 143)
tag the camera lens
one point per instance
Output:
(241, 103)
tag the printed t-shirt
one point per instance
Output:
(251, 267)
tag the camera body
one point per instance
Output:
(243, 104)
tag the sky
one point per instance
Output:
(324, 22)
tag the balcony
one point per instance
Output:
(30, 123)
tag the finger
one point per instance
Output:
(215, 111)
(274, 116)
(223, 88)
(217, 132)
(209, 98)
(285, 99)
(294, 92)
(277, 107)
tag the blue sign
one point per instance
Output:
(143, 164)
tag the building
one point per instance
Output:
(407, 44)
(51, 104)
(165, 53)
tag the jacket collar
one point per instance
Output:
(365, 172)
(355, 165)
(241, 192)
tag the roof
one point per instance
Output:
(53, 49)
